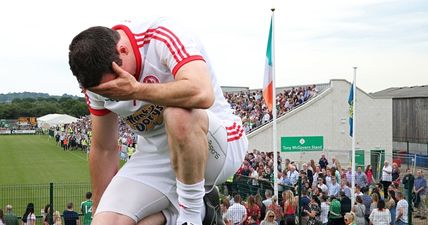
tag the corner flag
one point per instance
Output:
(267, 83)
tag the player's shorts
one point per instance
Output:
(151, 167)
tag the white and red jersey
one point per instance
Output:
(161, 48)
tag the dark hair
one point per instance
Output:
(381, 204)
(28, 211)
(2, 216)
(88, 195)
(91, 54)
(359, 199)
(316, 199)
(70, 205)
(46, 210)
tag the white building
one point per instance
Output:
(327, 115)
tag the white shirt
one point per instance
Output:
(236, 213)
(387, 173)
(405, 206)
(380, 217)
(255, 176)
(324, 212)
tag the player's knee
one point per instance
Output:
(182, 124)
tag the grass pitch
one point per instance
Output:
(36, 159)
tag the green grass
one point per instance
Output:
(36, 159)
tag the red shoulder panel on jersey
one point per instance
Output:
(186, 60)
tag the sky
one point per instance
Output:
(315, 41)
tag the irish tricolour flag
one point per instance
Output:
(268, 84)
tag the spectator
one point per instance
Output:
(237, 212)
(395, 173)
(324, 209)
(268, 200)
(345, 203)
(402, 210)
(70, 216)
(270, 219)
(386, 177)
(334, 187)
(292, 174)
(225, 204)
(406, 182)
(46, 212)
(380, 215)
(345, 188)
(253, 210)
(290, 205)
(359, 210)
(10, 218)
(309, 173)
(348, 174)
(361, 178)
(349, 218)
(276, 208)
(86, 209)
(335, 216)
(2, 221)
(367, 201)
(29, 218)
(420, 188)
(57, 218)
(314, 211)
(369, 175)
(375, 201)
(390, 204)
(323, 162)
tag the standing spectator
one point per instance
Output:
(309, 173)
(386, 177)
(359, 210)
(420, 188)
(375, 201)
(333, 188)
(390, 204)
(324, 209)
(348, 174)
(402, 210)
(57, 218)
(345, 203)
(361, 178)
(225, 204)
(10, 218)
(369, 175)
(253, 210)
(237, 212)
(268, 200)
(314, 211)
(345, 188)
(323, 162)
(407, 182)
(29, 218)
(335, 216)
(86, 209)
(290, 205)
(349, 218)
(367, 201)
(380, 215)
(276, 208)
(70, 216)
(292, 174)
(269, 219)
(395, 173)
(2, 221)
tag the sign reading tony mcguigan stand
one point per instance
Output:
(305, 143)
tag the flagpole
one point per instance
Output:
(275, 154)
(354, 85)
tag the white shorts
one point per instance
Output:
(150, 165)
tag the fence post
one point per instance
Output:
(409, 198)
(51, 204)
(299, 193)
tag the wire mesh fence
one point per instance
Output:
(20, 195)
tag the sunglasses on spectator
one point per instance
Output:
(271, 216)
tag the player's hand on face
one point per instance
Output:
(122, 87)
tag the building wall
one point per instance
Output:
(327, 115)
(410, 120)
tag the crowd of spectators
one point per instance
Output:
(325, 193)
(251, 107)
(77, 136)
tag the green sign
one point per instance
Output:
(359, 158)
(305, 143)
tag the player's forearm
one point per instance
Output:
(180, 93)
(103, 165)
